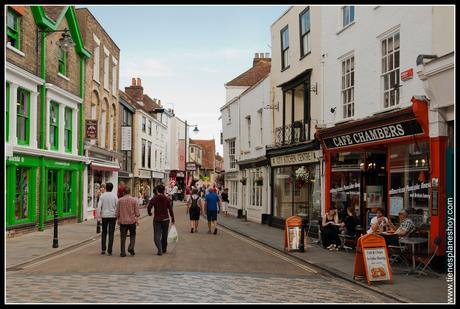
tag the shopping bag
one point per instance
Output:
(172, 235)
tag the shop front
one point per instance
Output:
(296, 184)
(233, 182)
(382, 162)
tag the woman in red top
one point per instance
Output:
(162, 205)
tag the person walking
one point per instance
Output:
(127, 216)
(162, 205)
(121, 189)
(194, 209)
(106, 213)
(224, 201)
(211, 204)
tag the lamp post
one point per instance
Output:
(64, 42)
(185, 147)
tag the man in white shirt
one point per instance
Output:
(106, 211)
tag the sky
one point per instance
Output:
(185, 54)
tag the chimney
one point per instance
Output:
(135, 90)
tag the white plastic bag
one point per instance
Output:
(172, 235)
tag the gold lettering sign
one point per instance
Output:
(297, 158)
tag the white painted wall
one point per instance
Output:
(230, 131)
(233, 91)
(363, 38)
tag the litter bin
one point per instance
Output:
(293, 234)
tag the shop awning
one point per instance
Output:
(382, 128)
(97, 166)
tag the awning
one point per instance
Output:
(96, 166)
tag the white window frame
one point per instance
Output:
(229, 115)
(261, 126)
(248, 118)
(231, 153)
(114, 76)
(347, 86)
(96, 63)
(346, 16)
(106, 68)
(389, 70)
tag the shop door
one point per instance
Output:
(374, 189)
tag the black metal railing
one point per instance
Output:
(290, 134)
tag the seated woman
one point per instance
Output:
(330, 230)
(379, 223)
(348, 226)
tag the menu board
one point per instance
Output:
(294, 234)
(376, 263)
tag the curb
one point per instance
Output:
(320, 266)
(19, 266)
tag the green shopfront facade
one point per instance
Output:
(38, 185)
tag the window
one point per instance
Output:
(21, 201)
(106, 68)
(305, 32)
(127, 161)
(284, 48)
(390, 70)
(62, 61)
(229, 114)
(14, 28)
(127, 118)
(23, 116)
(149, 160)
(7, 120)
(68, 129)
(67, 191)
(261, 127)
(156, 158)
(255, 188)
(231, 153)
(114, 77)
(249, 131)
(96, 65)
(143, 124)
(348, 15)
(143, 153)
(54, 125)
(103, 124)
(150, 128)
(233, 193)
(348, 86)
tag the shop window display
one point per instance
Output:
(22, 193)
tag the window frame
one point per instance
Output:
(144, 144)
(150, 127)
(395, 71)
(149, 155)
(62, 61)
(348, 9)
(231, 154)
(14, 34)
(54, 147)
(27, 118)
(68, 130)
(304, 53)
(144, 124)
(347, 91)
(284, 66)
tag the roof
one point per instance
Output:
(260, 69)
(209, 150)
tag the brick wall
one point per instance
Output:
(94, 91)
(28, 28)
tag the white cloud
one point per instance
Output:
(145, 67)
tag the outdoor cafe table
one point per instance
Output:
(413, 241)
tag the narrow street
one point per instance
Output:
(222, 268)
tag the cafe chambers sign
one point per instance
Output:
(381, 133)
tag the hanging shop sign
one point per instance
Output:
(381, 133)
(125, 138)
(407, 74)
(296, 158)
(190, 166)
(91, 129)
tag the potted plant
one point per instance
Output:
(243, 181)
(259, 181)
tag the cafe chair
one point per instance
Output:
(425, 260)
(397, 254)
(347, 242)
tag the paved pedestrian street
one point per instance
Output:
(184, 287)
(199, 268)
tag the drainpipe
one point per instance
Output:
(41, 220)
(80, 148)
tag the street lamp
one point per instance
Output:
(195, 130)
(64, 42)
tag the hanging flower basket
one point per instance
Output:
(304, 176)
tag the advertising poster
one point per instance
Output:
(376, 264)
(374, 196)
(294, 234)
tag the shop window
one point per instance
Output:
(52, 192)
(54, 126)
(410, 183)
(21, 201)
(67, 192)
(14, 29)
(23, 116)
(68, 129)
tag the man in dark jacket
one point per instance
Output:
(162, 205)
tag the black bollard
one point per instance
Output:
(302, 237)
(55, 238)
